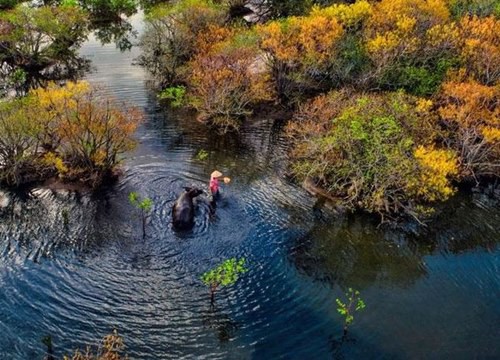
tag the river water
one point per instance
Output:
(75, 265)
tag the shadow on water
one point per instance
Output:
(418, 282)
(119, 32)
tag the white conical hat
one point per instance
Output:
(215, 174)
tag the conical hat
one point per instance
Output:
(215, 174)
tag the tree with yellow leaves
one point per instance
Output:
(411, 44)
(300, 51)
(92, 129)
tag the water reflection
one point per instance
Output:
(351, 251)
(119, 32)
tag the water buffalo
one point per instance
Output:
(183, 209)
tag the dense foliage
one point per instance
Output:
(394, 100)
(373, 151)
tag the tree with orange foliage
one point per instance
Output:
(300, 51)
(470, 113)
(170, 38)
(225, 78)
(480, 48)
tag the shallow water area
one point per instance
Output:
(75, 265)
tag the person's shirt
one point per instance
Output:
(214, 185)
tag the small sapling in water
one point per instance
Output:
(225, 274)
(201, 155)
(144, 205)
(47, 341)
(65, 217)
(347, 309)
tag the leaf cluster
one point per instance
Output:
(225, 274)
(144, 204)
(353, 304)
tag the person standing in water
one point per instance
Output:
(214, 183)
(215, 176)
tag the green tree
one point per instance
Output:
(225, 274)
(144, 205)
(42, 43)
(353, 304)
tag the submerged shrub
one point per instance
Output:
(110, 348)
(73, 131)
(225, 274)
(92, 129)
(367, 150)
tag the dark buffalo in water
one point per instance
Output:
(183, 210)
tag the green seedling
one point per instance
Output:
(225, 274)
(144, 205)
(201, 155)
(347, 309)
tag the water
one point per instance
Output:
(75, 265)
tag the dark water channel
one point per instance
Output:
(75, 266)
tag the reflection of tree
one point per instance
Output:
(118, 31)
(42, 223)
(224, 326)
(466, 222)
(353, 252)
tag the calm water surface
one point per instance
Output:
(75, 265)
